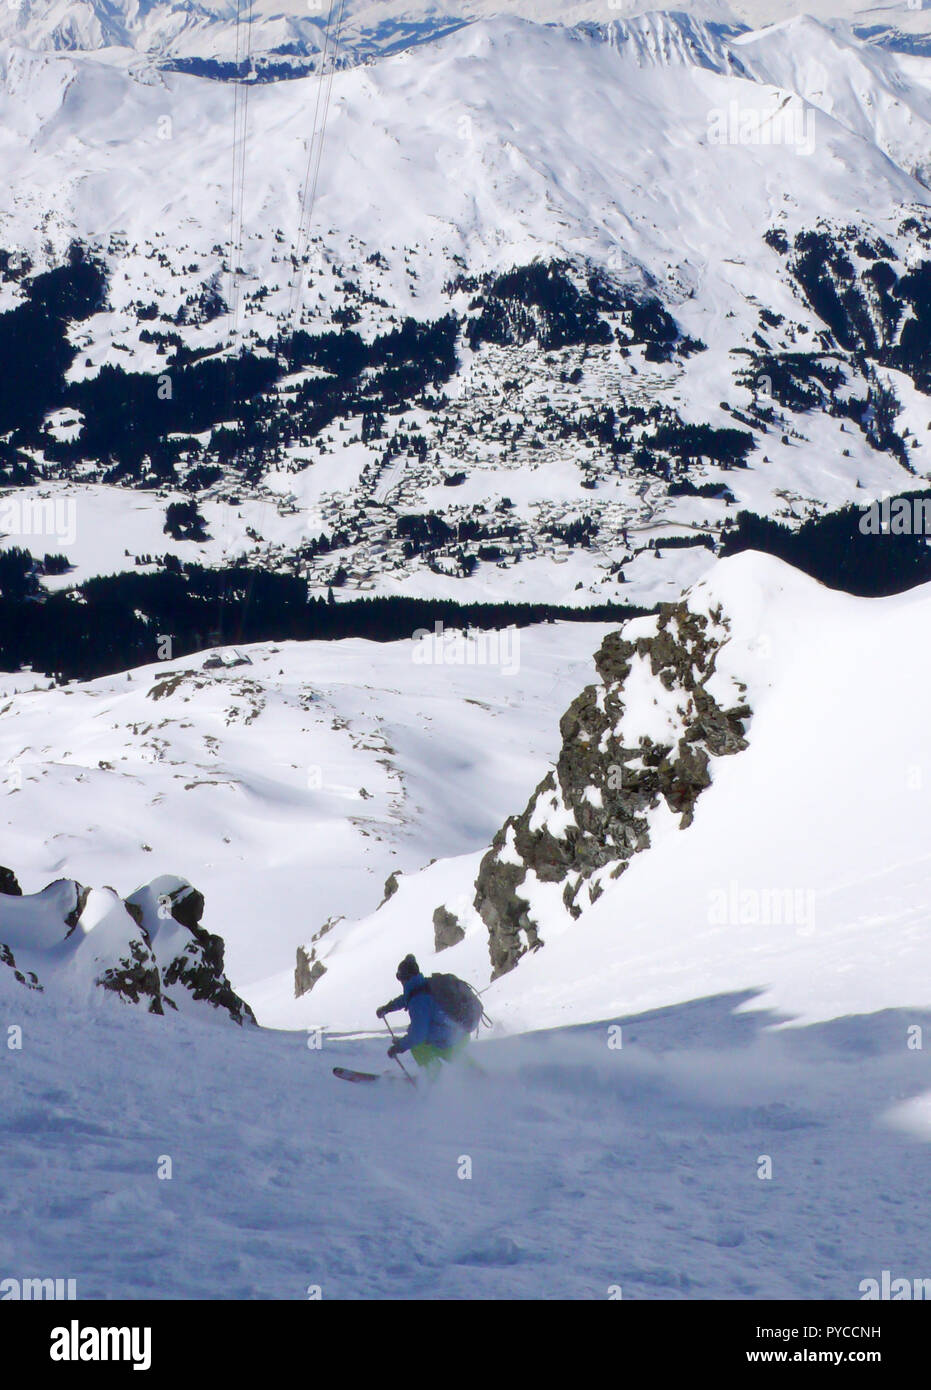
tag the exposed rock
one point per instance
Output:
(136, 978)
(199, 968)
(150, 949)
(74, 916)
(29, 979)
(307, 971)
(447, 929)
(192, 958)
(391, 887)
(9, 884)
(136, 913)
(646, 733)
(187, 907)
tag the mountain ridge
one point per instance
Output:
(527, 341)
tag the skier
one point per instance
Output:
(433, 1036)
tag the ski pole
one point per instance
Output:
(397, 1059)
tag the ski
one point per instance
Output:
(346, 1074)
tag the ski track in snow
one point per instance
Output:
(591, 1167)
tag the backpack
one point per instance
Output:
(458, 1000)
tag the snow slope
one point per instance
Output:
(289, 29)
(286, 791)
(449, 158)
(804, 879)
(866, 89)
(403, 169)
(766, 966)
(672, 1105)
(594, 1171)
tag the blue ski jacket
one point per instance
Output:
(429, 1024)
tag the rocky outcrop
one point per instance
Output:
(28, 979)
(309, 969)
(189, 958)
(198, 967)
(391, 887)
(150, 949)
(9, 884)
(187, 906)
(447, 929)
(135, 977)
(74, 916)
(643, 737)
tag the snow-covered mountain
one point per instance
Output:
(439, 325)
(287, 789)
(869, 90)
(706, 811)
(149, 950)
(422, 331)
(734, 808)
(272, 39)
(569, 330)
(278, 36)
(708, 1084)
